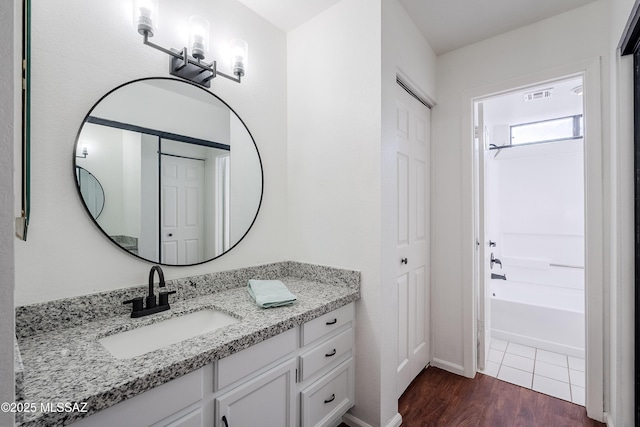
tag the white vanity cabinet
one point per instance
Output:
(301, 377)
(256, 386)
(327, 374)
(179, 403)
(267, 400)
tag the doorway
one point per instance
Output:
(182, 203)
(530, 190)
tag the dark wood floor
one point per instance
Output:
(441, 399)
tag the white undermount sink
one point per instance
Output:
(161, 334)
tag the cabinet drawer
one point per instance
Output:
(326, 353)
(329, 322)
(328, 398)
(252, 359)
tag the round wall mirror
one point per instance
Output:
(180, 169)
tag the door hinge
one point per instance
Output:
(480, 327)
(476, 134)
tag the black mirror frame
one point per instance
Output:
(75, 148)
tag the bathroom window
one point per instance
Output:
(547, 130)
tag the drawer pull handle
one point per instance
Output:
(331, 399)
(333, 322)
(333, 353)
(224, 420)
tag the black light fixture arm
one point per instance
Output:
(183, 65)
(145, 35)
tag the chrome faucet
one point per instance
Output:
(495, 260)
(152, 306)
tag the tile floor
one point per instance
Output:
(550, 373)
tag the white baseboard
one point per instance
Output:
(352, 421)
(395, 421)
(448, 366)
(607, 419)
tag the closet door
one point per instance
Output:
(413, 235)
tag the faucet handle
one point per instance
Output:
(136, 303)
(163, 297)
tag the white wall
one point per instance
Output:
(341, 120)
(81, 50)
(245, 180)
(10, 125)
(540, 209)
(333, 78)
(574, 36)
(105, 163)
(620, 380)
(148, 246)
(132, 176)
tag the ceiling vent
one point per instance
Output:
(538, 94)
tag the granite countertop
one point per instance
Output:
(69, 365)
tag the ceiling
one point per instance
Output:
(288, 14)
(446, 24)
(451, 24)
(511, 108)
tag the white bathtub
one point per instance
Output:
(546, 317)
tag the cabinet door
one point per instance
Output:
(267, 400)
(193, 419)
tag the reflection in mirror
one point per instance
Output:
(91, 191)
(180, 169)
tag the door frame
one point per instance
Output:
(594, 221)
(630, 45)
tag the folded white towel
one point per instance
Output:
(270, 293)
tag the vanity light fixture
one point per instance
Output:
(578, 90)
(187, 66)
(85, 153)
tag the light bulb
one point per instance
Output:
(145, 16)
(198, 36)
(239, 56)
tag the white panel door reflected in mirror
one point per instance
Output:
(180, 170)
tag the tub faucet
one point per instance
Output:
(152, 306)
(495, 260)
